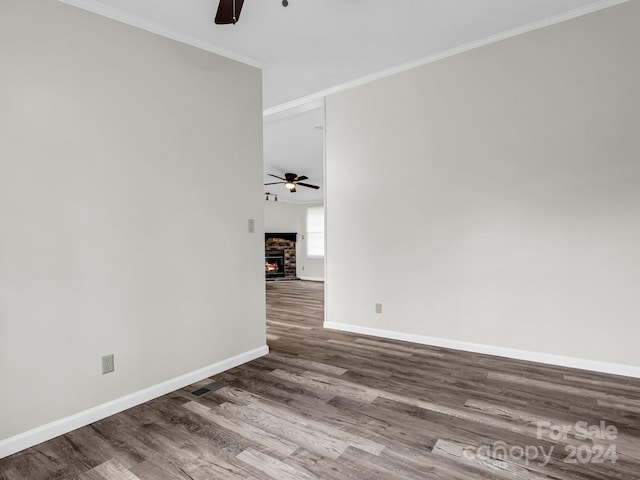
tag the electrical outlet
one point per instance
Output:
(251, 225)
(378, 308)
(107, 364)
(302, 267)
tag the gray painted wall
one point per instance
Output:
(501, 204)
(118, 230)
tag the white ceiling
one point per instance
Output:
(295, 144)
(314, 47)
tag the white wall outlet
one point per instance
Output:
(107, 364)
(378, 308)
(303, 267)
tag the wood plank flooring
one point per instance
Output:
(331, 405)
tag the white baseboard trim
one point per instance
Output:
(54, 429)
(312, 279)
(546, 358)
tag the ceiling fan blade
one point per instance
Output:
(299, 179)
(274, 183)
(271, 175)
(226, 13)
(307, 185)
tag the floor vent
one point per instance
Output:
(200, 392)
(212, 387)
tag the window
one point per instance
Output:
(315, 232)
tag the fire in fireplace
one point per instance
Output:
(274, 266)
(270, 267)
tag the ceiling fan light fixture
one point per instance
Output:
(291, 181)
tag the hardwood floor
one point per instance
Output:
(332, 405)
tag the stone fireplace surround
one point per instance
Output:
(276, 244)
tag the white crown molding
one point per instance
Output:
(298, 104)
(149, 26)
(56, 428)
(537, 357)
(316, 100)
(292, 108)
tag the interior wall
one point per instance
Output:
(116, 230)
(499, 204)
(292, 218)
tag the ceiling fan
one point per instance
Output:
(229, 11)
(291, 180)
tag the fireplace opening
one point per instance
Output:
(274, 266)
